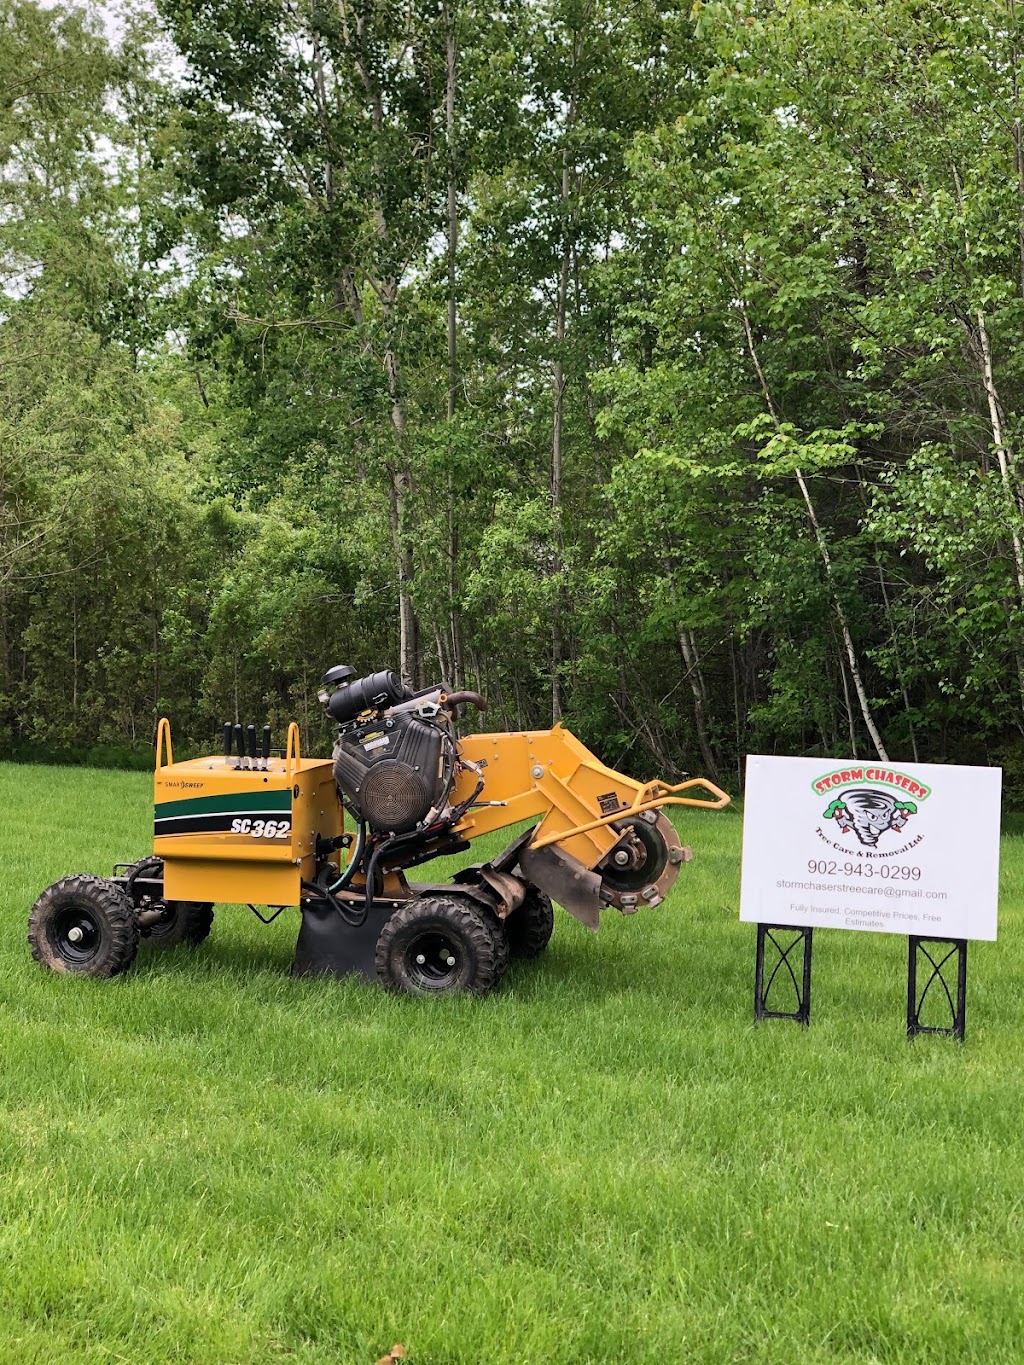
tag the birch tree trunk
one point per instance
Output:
(400, 480)
(451, 81)
(826, 558)
(1004, 455)
(558, 384)
(694, 674)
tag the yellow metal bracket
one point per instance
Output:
(571, 806)
(651, 797)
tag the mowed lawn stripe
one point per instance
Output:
(207, 1161)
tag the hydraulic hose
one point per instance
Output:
(371, 870)
(139, 868)
(352, 917)
(353, 862)
(459, 811)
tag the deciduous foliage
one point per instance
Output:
(656, 368)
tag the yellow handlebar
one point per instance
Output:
(652, 797)
(163, 740)
(293, 752)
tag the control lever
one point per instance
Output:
(227, 742)
(240, 746)
(250, 733)
(266, 746)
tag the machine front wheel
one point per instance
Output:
(439, 944)
(530, 926)
(84, 925)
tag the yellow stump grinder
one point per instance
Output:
(243, 827)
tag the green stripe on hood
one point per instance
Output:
(271, 798)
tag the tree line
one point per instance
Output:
(652, 367)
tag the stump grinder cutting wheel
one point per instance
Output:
(244, 827)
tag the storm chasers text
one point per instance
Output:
(887, 777)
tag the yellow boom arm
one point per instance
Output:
(550, 773)
(586, 810)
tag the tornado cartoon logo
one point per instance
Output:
(869, 813)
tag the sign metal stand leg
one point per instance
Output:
(783, 938)
(937, 952)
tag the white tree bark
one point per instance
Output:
(826, 558)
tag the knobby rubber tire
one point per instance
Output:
(190, 923)
(474, 935)
(530, 926)
(96, 902)
(502, 945)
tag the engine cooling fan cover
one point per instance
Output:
(393, 797)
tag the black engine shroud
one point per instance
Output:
(393, 768)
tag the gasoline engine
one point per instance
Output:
(395, 755)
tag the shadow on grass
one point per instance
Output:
(216, 955)
(696, 967)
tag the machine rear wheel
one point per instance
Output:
(529, 928)
(187, 922)
(84, 925)
(439, 944)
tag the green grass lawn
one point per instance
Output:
(207, 1161)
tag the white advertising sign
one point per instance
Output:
(897, 848)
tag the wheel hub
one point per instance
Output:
(433, 960)
(76, 935)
